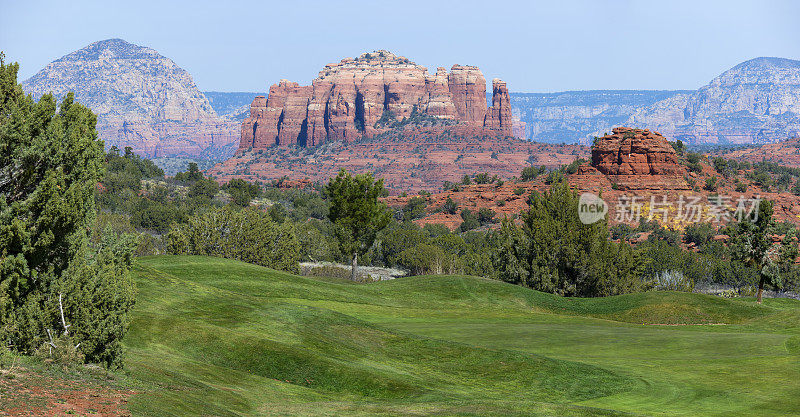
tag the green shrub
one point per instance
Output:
(699, 233)
(572, 168)
(555, 252)
(622, 231)
(554, 177)
(693, 162)
(711, 184)
(469, 221)
(242, 192)
(450, 186)
(51, 162)
(531, 172)
(740, 187)
(397, 238)
(670, 236)
(204, 188)
(415, 208)
(484, 178)
(679, 147)
(247, 235)
(426, 259)
(486, 216)
(450, 206)
(62, 350)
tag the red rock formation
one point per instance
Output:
(468, 89)
(348, 99)
(438, 99)
(636, 158)
(498, 118)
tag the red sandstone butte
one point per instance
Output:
(348, 99)
(637, 159)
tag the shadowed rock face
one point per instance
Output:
(361, 97)
(636, 159)
(142, 99)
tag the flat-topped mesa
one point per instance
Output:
(361, 97)
(638, 159)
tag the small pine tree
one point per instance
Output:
(356, 213)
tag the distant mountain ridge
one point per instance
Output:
(142, 100)
(233, 105)
(756, 101)
(578, 116)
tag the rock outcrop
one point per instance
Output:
(361, 97)
(757, 101)
(636, 159)
(142, 100)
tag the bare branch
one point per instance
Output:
(63, 322)
(50, 343)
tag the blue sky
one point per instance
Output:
(535, 46)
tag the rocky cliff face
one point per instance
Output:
(635, 159)
(361, 97)
(757, 101)
(142, 99)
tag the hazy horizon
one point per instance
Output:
(535, 47)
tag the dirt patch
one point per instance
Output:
(24, 392)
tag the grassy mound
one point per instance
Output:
(201, 321)
(642, 308)
(212, 336)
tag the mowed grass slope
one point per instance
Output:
(212, 336)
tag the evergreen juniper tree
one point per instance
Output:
(356, 213)
(50, 162)
(751, 243)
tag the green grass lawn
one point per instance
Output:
(212, 336)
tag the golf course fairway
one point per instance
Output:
(212, 336)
